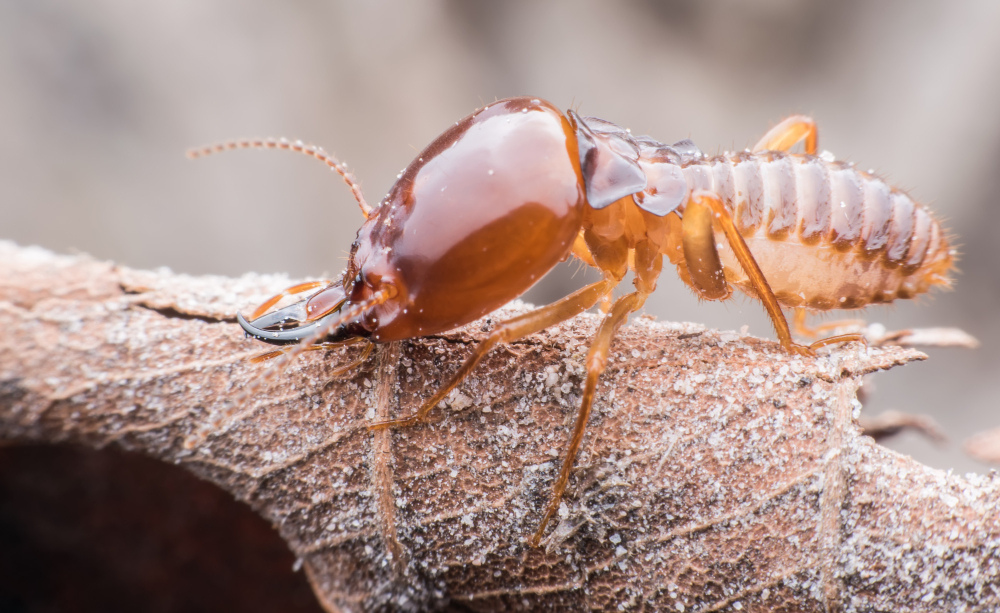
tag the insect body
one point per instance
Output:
(505, 194)
(825, 234)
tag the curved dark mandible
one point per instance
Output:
(283, 337)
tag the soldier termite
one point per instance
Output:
(506, 193)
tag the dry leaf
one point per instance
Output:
(719, 473)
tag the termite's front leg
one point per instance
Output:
(789, 133)
(508, 331)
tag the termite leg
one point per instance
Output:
(840, 338)
(597, 361)
(702, 198)
(803, 329)
(581, 251)
(508, 331)
(700, 255)
(604, 304)
(291, 291)
(367, 351)
(789, 133)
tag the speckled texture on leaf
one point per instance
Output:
(718, 473)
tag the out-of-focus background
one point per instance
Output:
(99, 100)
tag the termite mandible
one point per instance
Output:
(505, 194)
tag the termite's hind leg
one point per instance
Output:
(789, 133)
(702, 198)
(803, 329)
(840, 338)
(597, 361)
(706, 269)
(508, 331)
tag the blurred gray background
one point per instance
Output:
(99, 100)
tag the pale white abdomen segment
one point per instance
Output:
(824, 234)
(821, 277)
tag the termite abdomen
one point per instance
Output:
(828, 235)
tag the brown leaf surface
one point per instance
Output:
(719, 473)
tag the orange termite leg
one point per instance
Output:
(840, 338)
(506, 332)
(604, 305)
(702, 198)
(597, 361)
(581, 251)
(803, 329)
(291, 291)
(700, 255)
(367, 351)
(789, 133)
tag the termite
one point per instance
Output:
(505, 194)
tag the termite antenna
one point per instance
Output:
(324, 327)
(298, 146)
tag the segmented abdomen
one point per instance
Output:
(825, 234)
